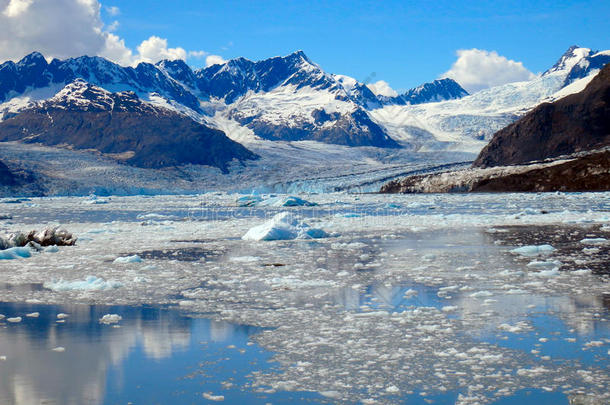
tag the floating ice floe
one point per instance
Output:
(15, 319)
(91, 283)
(33, 315)
(109, 319)
(533, 250)
(248, 200)
(594, 241)
(15, 253)
(128, 259)
(549, 264)
(211, 397)
(93, 199)
(283, 226)
(286, 201)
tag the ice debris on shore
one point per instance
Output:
(284, 226)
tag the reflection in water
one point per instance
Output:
(35, 373)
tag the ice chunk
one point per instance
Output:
(211, 397)
(62, 316)
(594, 241)
(91, 283)
(52, 237)
(550, 264)
(93, 199)
(33, 315)
(248, 200)
(15, 253)
(533, 250)
(59, 349)
(283, 226)
(110, 319)
(287, 201)
(15, 319)
(128, 259)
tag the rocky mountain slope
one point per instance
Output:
(575, 123)
(558, 146)
(586, 171)
(121, 126)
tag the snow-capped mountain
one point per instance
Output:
(272, 106)
(438, 90)
(34, 73)
(468, 123)
(121, 126)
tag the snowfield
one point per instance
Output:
(410, 295)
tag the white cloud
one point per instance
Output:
(113, 10)
(214, 60)
(155, 49)
(69, 28)
(16, 7)
(477, 69)
(382, 88)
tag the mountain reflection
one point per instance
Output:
(34, 373)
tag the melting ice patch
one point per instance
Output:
(90, 283)
(283, 226)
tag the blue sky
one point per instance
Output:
(402, 42)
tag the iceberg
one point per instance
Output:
(248, 200)
(128, 259)
(283, 226)
(287, 201)
(15, 253)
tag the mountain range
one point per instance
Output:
(169, 115)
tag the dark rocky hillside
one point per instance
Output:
(575, 123)
(6, 177)
(120, 125)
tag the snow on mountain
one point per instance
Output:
(271, 104)
(468, 123)
(123, 127)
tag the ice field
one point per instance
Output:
(320, 298)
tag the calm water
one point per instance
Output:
(156, 356)
(161, 356)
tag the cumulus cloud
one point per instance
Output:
(155, 49)
(69, 28)
(478, 69)
(382, 88)
(214, 60)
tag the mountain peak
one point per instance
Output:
(569, 59)
(33, 58)
(438, 90)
